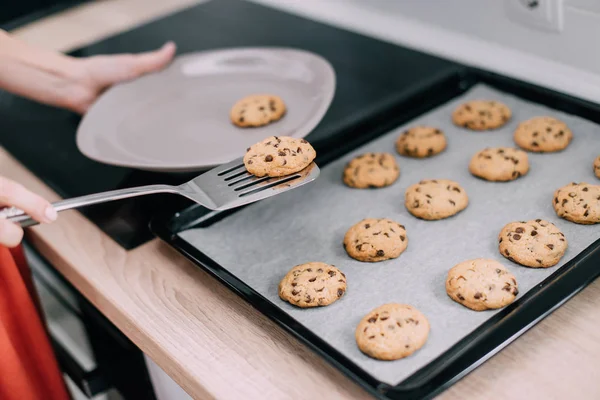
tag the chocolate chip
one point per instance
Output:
(299, 150)
(534, 144)
(452, 202)
(585, 189)
(340, 292)
(249, 161)
(295, 292)
(460, 297)
(429, 151)
(550, 246)
(372, 320)
(498, 271)
(516, 236)
(241, 119)
(303, 141)
(380, 253)
(586, 213)
(331, 273)
(269, 158)
(308, 269)
(516, 174)
(538, 260)
(383, 318)
(294, 284)
(565, 201)
(402, 237)
(477, 295)
(556, 200)
(533, 233)
(572, 194)
(367, 226)
(312, 279)
(399, 324)
(371, 337)
(519, 230)
(320, 290)
(456, 189)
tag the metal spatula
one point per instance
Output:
(224, 187)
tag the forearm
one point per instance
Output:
(36, 73)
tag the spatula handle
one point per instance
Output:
(18, 216)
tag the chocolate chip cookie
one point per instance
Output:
(371, 170)
(499, 164)
(421, 141)
(536, 243)
(481, 284)
(433, 199)
(597, 167)
(543, 135)
(279, 156)
(257, 110)
(578, 202)
(392, 331)
(481, 115)
(375, 240)
(314, 284)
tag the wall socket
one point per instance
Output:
(546, 15)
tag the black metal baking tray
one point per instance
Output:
(482, 343)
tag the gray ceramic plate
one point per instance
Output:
(178, 119)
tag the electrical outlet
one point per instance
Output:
(545, 15)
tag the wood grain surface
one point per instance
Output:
(216, 346)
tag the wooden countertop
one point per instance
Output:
(216, 346)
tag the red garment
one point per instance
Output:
(28, 369)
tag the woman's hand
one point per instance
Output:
(14, 195)
(73, 83)
(91, 76)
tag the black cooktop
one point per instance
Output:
(373, 77)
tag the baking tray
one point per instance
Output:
(251, 249)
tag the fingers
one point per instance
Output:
(15, 195)
(155, 60)
(10, 233)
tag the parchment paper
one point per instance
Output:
(262, 242)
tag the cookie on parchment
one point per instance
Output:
(499, 164)
(597, 167)
(392, 331)
(371, 170)
(481, 115)
(433, 199)
(536, 243)
(375, 240)
(312, 284)
(257, 110)
(578, 202)
(543, 135)
(421, 141)
(279, 156)
(481, 284)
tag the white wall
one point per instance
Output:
(477, 33)
(577, 45)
